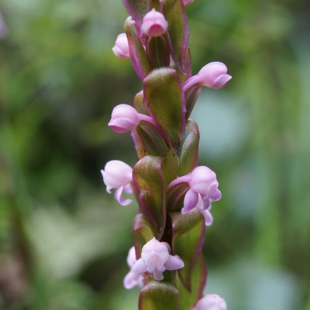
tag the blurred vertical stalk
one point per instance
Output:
(19, 273)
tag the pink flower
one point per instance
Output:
(210, 302)
(121, 47)
(155, 258)
(118, 175)
(187, 2)
(154, 24)
(132, 279)
(212, 75)
(203, 183)
(124, 118)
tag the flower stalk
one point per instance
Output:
(173, 192)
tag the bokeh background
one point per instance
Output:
(64, 240)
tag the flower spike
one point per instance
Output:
(118, 175)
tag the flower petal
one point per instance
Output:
(118, 197)
(174, 263)
(190, 201)
(139, 266)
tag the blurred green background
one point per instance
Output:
(64, 240)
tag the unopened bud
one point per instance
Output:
(121, 48)
(154, 24)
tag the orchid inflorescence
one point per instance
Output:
(173, 193)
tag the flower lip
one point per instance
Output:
(154, 24)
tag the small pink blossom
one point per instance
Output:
(155, 258)
(124, 118)
(203, 183)
(154, 24)
(118, 175)
(212, 75)
(187, 2)
(121, 47)
(132, 279)
(210, 302)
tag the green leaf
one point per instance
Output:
(143, 231)
(159, 296)
(188, 229)
(150, 190)
(189, 151)
(165, 100)
(198, 282)
(137, 52)
(178, 31)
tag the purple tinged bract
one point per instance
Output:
(118, 175)
(210, 302)
(154, 24)
(156, 258)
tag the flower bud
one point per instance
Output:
(187, 2)
(121, 47)
(118, 175)
(210, 302)
(212, 75)
(155, 258)
(154, 24)
(124, 118)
